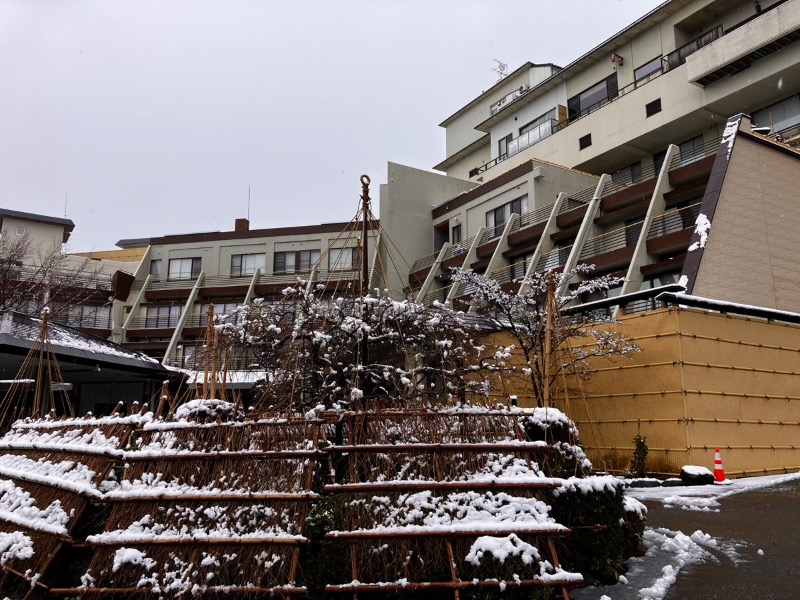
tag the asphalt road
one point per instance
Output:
(766, 519)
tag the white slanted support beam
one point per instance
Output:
(586, 231)
(135, 307)
(658, 205)
(432, 273)
(312, 275)
(470, 257)
(251, 290)
(497, 259)
(545, 244)
(173, 343)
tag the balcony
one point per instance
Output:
(518, 144)
(509, 98)
(612, 249)
(744, 44)
(554, 260)
(61, 278)
(672, 231)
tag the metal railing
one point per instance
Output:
(155, 322)
(675, 59)
(193, 362)
(611, 240)
(458, 248)
(492, 233)
(555, 259)
(521, 142)
(510, 97)
(674, 220)
(689, 156)
(91, 321)
(533, 217)
(61, 277)
(513, 272)
(437, 295)
(425, 261)
(572, 203)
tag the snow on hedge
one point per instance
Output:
(15, 546)
(18, 507)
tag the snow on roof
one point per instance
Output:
(26, 329)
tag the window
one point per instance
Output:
(596, 96)
(501, 214)
(652, 108)
(300, 261)
(162, 316)
(95, 317)
(779, 116)
(502, 146)
(585, 141)
(184, 268)
(21, 231)
(155, 268)
(649, 68)
(220, 309)
(629, 175)
(456, 234)
(691, 150)
(342, 258)
(246, 264)
(633, 228)
(546, 118)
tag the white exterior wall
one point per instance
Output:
(532, 111)
(44, 238)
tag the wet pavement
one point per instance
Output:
(766, 519)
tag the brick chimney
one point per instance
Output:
(242, 225)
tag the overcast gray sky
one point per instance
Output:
(155, 116)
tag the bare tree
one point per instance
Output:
(311, 349)
(32, 278)
(534, 320)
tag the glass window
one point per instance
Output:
(779, 116)
(21, 231)
(501, 214)
(300, 261)
(155, 268)
(594, 97)
(163, 316)
(246, 264)
(502, 146)
(456, 236)
(184, 268)
(629, 175)
(341, 258)
(220, 309)
(658, 160)
(691, 150)
(646, 70)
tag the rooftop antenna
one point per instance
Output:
(248, 202)
(66, 199)
(501, 69)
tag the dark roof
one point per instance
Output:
(133, 242)
(67, 224)
(19, 331)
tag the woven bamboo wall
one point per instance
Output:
(703, 380)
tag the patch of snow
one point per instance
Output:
(702, 226)
(696, 470)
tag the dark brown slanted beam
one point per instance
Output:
(240, 541)
(461, 447)
(395, 534)
(300, 497)
(446, 585)
(220, 591)
(438, 485)
(133, 457)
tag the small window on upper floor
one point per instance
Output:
(585, 141)
(455, 235)
(184, 268)
(21, 231)
(342, 259)
(653, 107)
(155, 268)
(246, 264)
(649, 69)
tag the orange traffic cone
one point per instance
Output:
(719, 472)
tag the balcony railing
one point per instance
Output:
(155, 322)
(513, 272)
(509, 98)
(520, 143)
(90, 321)
(688, 156)
(458, 248)
(555, 259)
(62, 278)
(492, 233)
(675, 59)
(611, 240)
(533, 217)
(437, 295)
(424, 262)
(673, 221)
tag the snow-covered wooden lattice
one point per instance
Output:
(450, 499)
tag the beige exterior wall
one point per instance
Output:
(751, 256)
(472, 161)
(44, 238)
